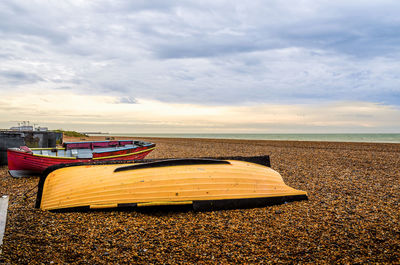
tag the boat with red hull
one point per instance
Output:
(24, 161)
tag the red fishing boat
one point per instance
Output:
(24, 161)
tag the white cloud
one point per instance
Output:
(214, 55)
(71, 111)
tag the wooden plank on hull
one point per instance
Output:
(3, 218)
(166, 182)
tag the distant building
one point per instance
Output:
(26, 127)
(22, 128)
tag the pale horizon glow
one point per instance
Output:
(104, 113)
(201, 67)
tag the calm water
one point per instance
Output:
(372, 138)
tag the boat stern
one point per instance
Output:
(17, 163)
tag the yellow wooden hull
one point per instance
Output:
(225, 184)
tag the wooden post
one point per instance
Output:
(3, 218)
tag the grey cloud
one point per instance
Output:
(63, 88)
(175, 29)
(17, 77)
(6, 56)
(213, 52)
(353, 32)
(126, 100)
(135, 6)
(18, 21)
(202, 48)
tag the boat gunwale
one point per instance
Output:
(46, 148)
(122, 155)
(74, 158)
(197, 205)
(120, 149)
(105, 141)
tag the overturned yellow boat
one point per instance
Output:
(206, 184)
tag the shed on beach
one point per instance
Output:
(41, 139)
(9, 140)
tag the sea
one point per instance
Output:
(339, 137)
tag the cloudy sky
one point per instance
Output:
(201, 66)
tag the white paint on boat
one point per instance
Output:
(82, 153)
(3, 218)
(22, 173)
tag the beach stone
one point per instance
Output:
(351, 215)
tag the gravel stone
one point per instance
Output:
(352, 215)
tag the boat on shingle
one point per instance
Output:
(203, 184)
(25, 161)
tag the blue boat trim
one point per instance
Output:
(114, 150)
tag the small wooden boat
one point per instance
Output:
(25, 161)
(202, 183)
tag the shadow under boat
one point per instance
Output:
(199, 184)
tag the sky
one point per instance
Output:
(201, 66)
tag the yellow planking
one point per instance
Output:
(98, 186)
(51, 148)
(142, 204)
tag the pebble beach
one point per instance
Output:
(352, 215)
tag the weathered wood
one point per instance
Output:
(8, 140)
(3, 218)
